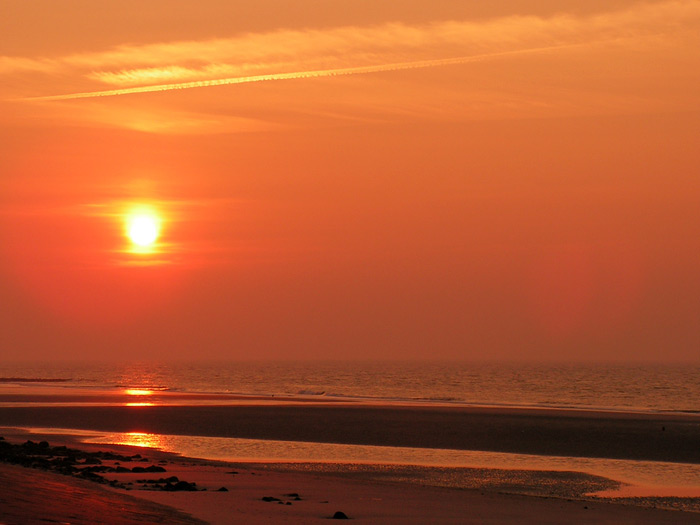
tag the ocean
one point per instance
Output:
(653, 388)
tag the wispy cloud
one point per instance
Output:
(420, 64)
(290, 54)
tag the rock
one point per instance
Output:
(96, 468)
(222, 489)
(340, 516)
(152, 468)
(270, 498)
(92, 477)
(180, 485)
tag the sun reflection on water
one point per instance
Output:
(139, 439)
(138, 394)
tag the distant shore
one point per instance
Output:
(655, 437)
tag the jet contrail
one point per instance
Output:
(301, 74)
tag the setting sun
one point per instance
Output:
(143, 228)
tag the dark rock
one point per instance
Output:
(92, 476)
(138, 470)
(96, 468)
(222, 489)
(292, 495)
(340, 516)
(152, 468)
(270, 498)
(180, 485)
(171, 479)
(122, 469)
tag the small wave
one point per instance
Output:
(33, 380)
(153, 388)
(311, 393)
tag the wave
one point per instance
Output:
(34, 380)
(311, 393)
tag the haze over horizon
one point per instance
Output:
(363, 180)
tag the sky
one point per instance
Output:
(355, 179)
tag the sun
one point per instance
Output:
(143, 227)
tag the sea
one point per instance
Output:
(617, 387)
(643, 388)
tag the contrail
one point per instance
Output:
(421, 64)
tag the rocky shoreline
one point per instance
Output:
(91, 466)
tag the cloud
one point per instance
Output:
(421, 64)
(9, 65)
(288, 54)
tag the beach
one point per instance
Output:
(624, 435)
(273, 495)
(371, 491)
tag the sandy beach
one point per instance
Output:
(579, 433)
(33, 496)
(284, 492)
(270, 495)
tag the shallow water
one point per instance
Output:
(637, 478)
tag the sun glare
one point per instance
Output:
(143, 228)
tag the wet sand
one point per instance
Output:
(292, 497)
(656, 437)
(33, 496)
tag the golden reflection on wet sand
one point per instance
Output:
(140, 439)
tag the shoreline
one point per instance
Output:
(15, 395)
(296, 496)
(628, 436)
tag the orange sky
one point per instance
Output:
(351, 179)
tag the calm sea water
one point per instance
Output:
(616, 387)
